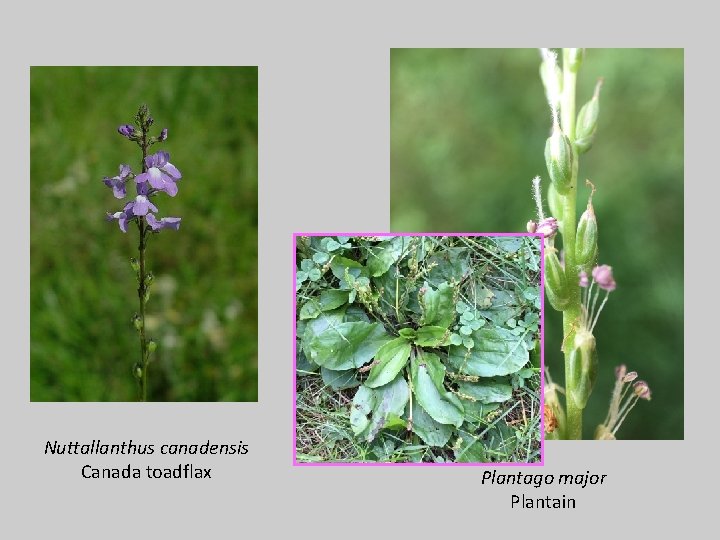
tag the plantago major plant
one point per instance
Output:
(157, 175)
(573, 279)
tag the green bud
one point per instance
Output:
(138, 371)
(586, 246)
(149, 279)
(575, 58)
(134, 264)
(555, 203)
(583, 361)
(559, 160)
(146, 297)
(137, 322)
(587, 122)
(152, 346)
(555, 281)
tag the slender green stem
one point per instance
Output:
(571, 316)
(142, 289)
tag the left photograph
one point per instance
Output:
(143, 233)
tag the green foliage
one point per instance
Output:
(468, 129)
(203, 312)
(398, 318)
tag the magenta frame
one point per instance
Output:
(297, 463)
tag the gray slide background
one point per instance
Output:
(324, 165)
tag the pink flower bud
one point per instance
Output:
(547, 227)
(584, 281)
(630, 377)
(642, 390)
(531, 226)
(603, 277)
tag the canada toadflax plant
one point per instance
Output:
(574, 282)
(157, 175)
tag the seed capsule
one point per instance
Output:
(555, 281)
(587, 122)
(559, 160)
(583, 361)
(586, 239)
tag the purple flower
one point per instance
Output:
(161, 174)
(117, 183)
(163, 135)
(603, 277)
(164, 223)
(142, 205)
(547, 227)
(126, 130)
(584, 281)
(122, 217)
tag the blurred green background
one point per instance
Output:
(468, 131)
(203, 311)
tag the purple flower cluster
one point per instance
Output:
(159, 175)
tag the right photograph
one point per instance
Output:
(586, 147)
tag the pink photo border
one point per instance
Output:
(540, 463)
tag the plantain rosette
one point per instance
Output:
(410, 323)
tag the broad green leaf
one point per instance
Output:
(476, 412)
(497, 352)
(471, 450)
(314, 274)
(504, 306)
(310, 310)
(437, 305)
(509, 244)
(301, 276)
(332, 245)
(355, 269)
(304, 366)
(456, 339)
(431, 432)
(339, 380)
(442, 406)
(432, 336)
(332, 298)
(408, 333)
(435, 367)
(373, 408)
(391, 358)
(306, 265)
(347, 345)
(317, 326)
(451, 264)
(486, 391)
(383, 255)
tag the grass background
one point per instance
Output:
(83, 294)
(468, 129)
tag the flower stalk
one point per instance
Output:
(567, 282)
(157, 176)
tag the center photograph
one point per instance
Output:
(418, 349)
